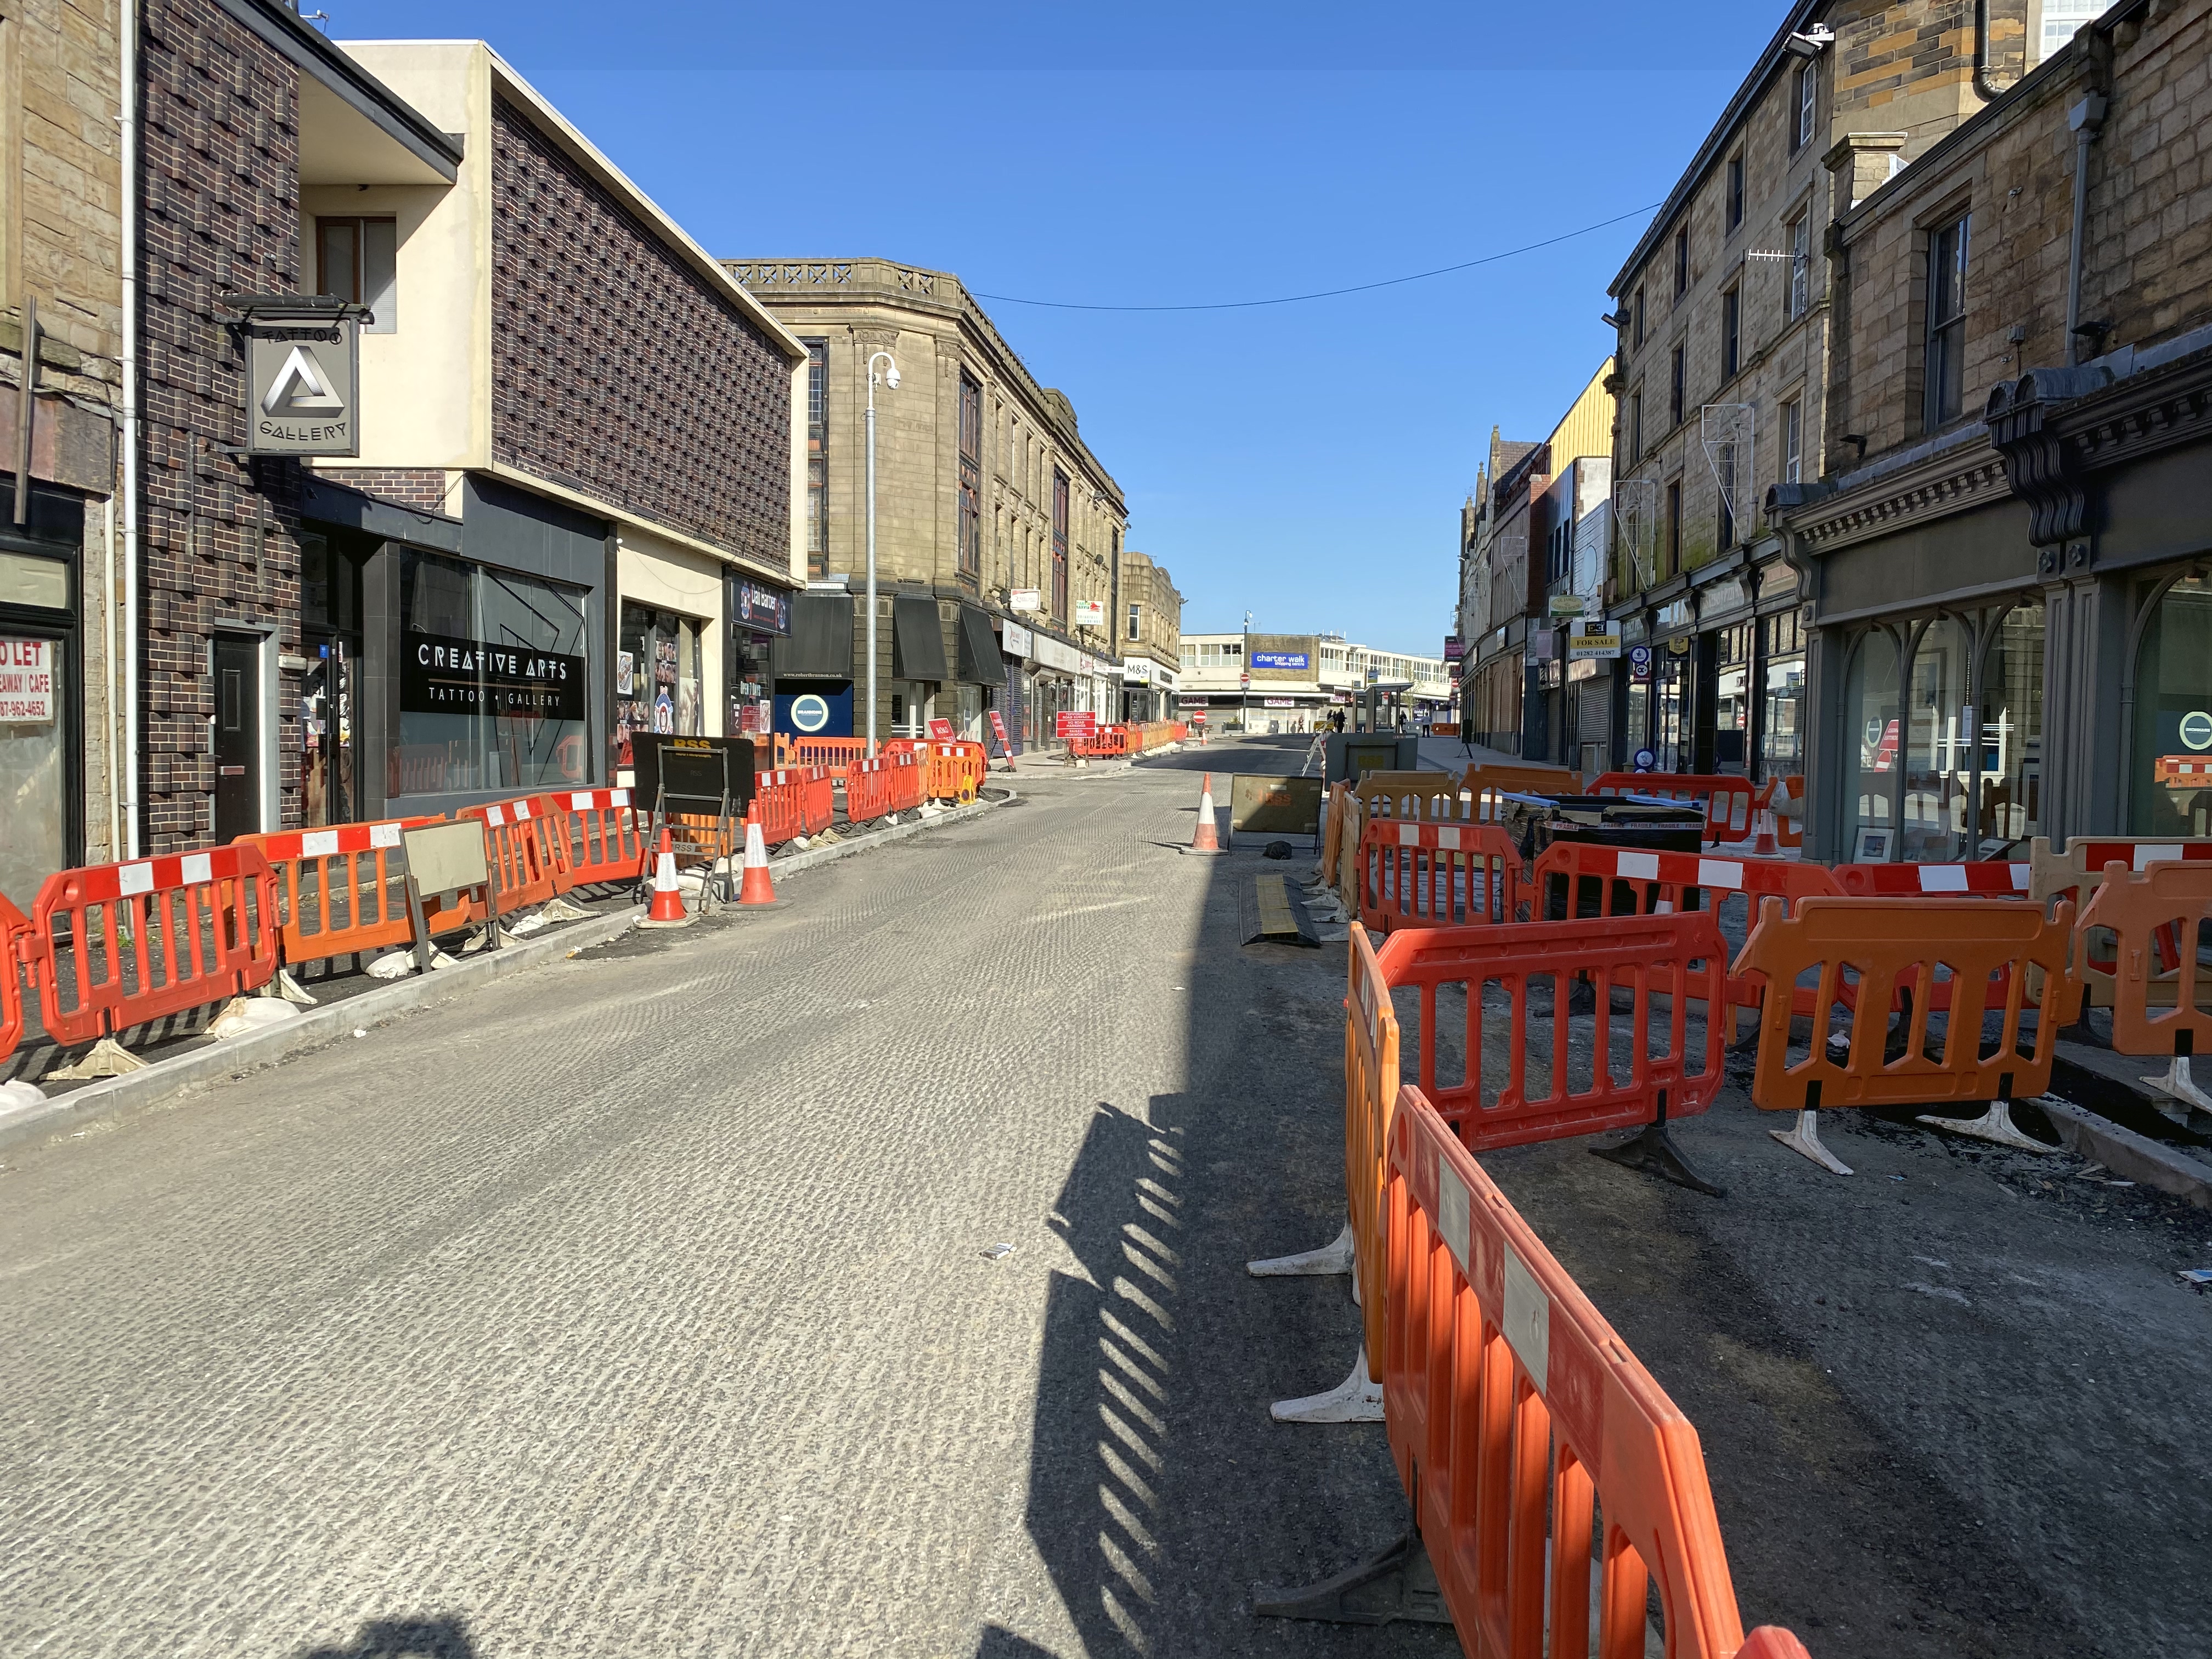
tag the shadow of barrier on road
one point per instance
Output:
(446, 1637)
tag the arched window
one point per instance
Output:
(1938, 745)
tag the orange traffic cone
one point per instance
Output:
(756, 888)
(1765, 846)
(667, 909)
(1203, 839)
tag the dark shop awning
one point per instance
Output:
(821, 643)
(980, 662)
(917, 640)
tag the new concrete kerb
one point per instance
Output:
(315, 1027)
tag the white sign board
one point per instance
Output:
(1091, 613)
(26, 682)
(446, 858)
(1025, 600)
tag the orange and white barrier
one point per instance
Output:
(2159, 921)
(1435, 875)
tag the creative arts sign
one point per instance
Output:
(441, 675)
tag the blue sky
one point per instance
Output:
(1306, 462)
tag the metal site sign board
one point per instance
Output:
(302, 372)
(686, 772)
(1279, 806)
(1066, 725)
(446, 858)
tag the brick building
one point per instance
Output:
(61, 270)
(2007, 556)
(998, 532)
(1726, 310)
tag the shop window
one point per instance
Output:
(658, 682)
(2172, 731)
(331, 640)
(1781, 733)
(1870, 709)
(1671, 710)
(358, 261)
(2009, 733)
(492, 684)
(1938, 745)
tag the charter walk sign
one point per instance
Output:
(302, 371)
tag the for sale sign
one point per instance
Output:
(26, 682)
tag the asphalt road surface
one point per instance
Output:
(641, 1306)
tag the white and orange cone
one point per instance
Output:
(1765, 846)
(1204, 839)
(667, 909)
(756, 888)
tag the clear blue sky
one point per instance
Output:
(1305, 461)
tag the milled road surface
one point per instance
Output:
(640, 1306)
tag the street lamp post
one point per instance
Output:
(1244, 680)
(890, 380)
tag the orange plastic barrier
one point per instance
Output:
(1428, 797)
(1579, 880)
(950, 771)
(13, 926)
(2076, 871)
(594, 836)
(519, 844)
(1727, 799)
(340, 891)
(835, 753)
(1332, 832)
(2158, 919)
(1371, 1040)
(1867, 953)
(1517, 1418)
(1105, 742)
(169, 933)
(1517, 1082)
(794, 801)
(1435, 875)
(891, 783)
(1982, 880)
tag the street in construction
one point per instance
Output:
(867, 1276)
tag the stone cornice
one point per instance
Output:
(1950, 481)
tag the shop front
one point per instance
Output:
(918, 668)
(759, 616)
(1061, 686)
(671, 642)
(979, 671)
(811, 669)
(41, 691)
(1017, 647)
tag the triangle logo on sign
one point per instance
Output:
(300, 388)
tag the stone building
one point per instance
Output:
(2007, 556)
(1725, 311)
(1152, 639)
(61, 184)
(998, 534)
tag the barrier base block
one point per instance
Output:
(1333, 1257)
(1994, 1125)
(105, 1058)
(1355, 1399)
(1652, 1150)
(289, 989)
(560, 909)
(2179, 1087)
(1803, 1137)
(1396, 1583)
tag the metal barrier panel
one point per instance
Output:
(1436, 875)
(2160, 988)
(516, 841)
(340, 891)
(1866, 954)
(171, 934)
(1981, 880)
(14, 930)
(1519, 1078)
(1524, 1430)
(594, 836)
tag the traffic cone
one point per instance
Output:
(667, 909)
(1765, 846)
(756, 888)
(1203, 839)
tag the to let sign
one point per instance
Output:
(26, 682)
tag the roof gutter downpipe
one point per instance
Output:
(1983, 88)
(130, 632)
